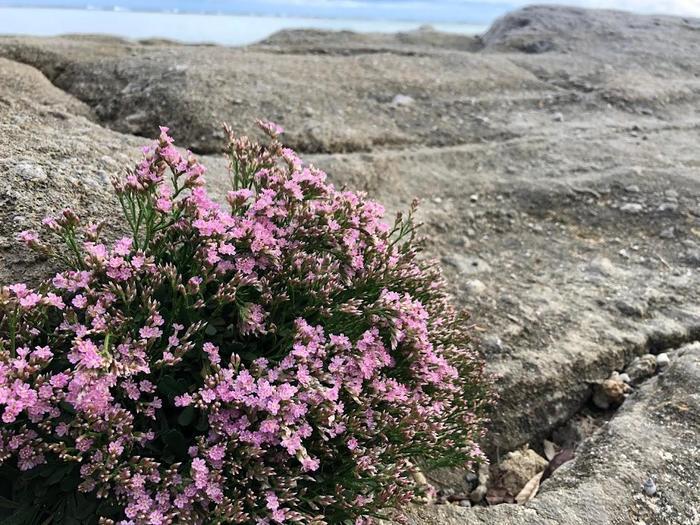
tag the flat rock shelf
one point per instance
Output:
(557, 161)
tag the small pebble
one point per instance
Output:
(472, 480)
(632, 207)
(662, 361)
(402, 100)
(610, 393)
(668, 233)
(667, 206)
(649, 487)
(29, 172)
(478, 494)
(475, 287)
(642, 367)
(484, 474)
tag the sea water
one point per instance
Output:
(225, 29)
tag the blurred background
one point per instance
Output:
(232, 22)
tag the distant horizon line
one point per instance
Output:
(252, 14)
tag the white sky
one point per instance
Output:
(669, 7)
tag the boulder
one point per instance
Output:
(654, 436)
(519, 467)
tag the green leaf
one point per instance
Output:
(186, 416)
(70, 483)
(59, 474)
(170, 387)
(175, 441)
(8, 503)
(86, 507)
(23, 516)
(202, 424)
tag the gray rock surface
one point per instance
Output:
(655, 435)
(548, 228)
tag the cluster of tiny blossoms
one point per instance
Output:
(284, 358)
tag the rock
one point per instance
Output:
(656, 431)
(466, 264)
(631, 207)
(610, 393)
(668, 233)
(662, 361)
(689, 348)
(558, 117)
(641, 368)
(475, 287)
(29, 171)
(478, 494)
(518, 468)
(603, 266)
(574, 431)
(472, 481)
(631, 307)
(667, 207)
(563, 456)
(484, 474)
(402, 100)
(549, 29)
(649, 487)
(692, 258)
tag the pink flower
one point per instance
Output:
(79, 301)
(214, 338)
(50, 223)
(292, 443)
(86, 353)
(19, 289)
(270, 128)
(123, 246)
(28, 237)
(96, 251)
(30, 300)
(150, 332)
(310, 464)
(54, 300)
(213, 352)
(43, 353)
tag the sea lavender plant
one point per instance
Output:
(287, 358)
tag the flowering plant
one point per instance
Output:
(286, 359)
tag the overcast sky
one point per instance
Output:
(476, 11)
(676, 7)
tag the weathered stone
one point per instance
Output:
(662, 361)
(518, 468)
(546, 231)
(642, 368)
(655, 435)
(610, 393)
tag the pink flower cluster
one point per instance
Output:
(286, 359)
